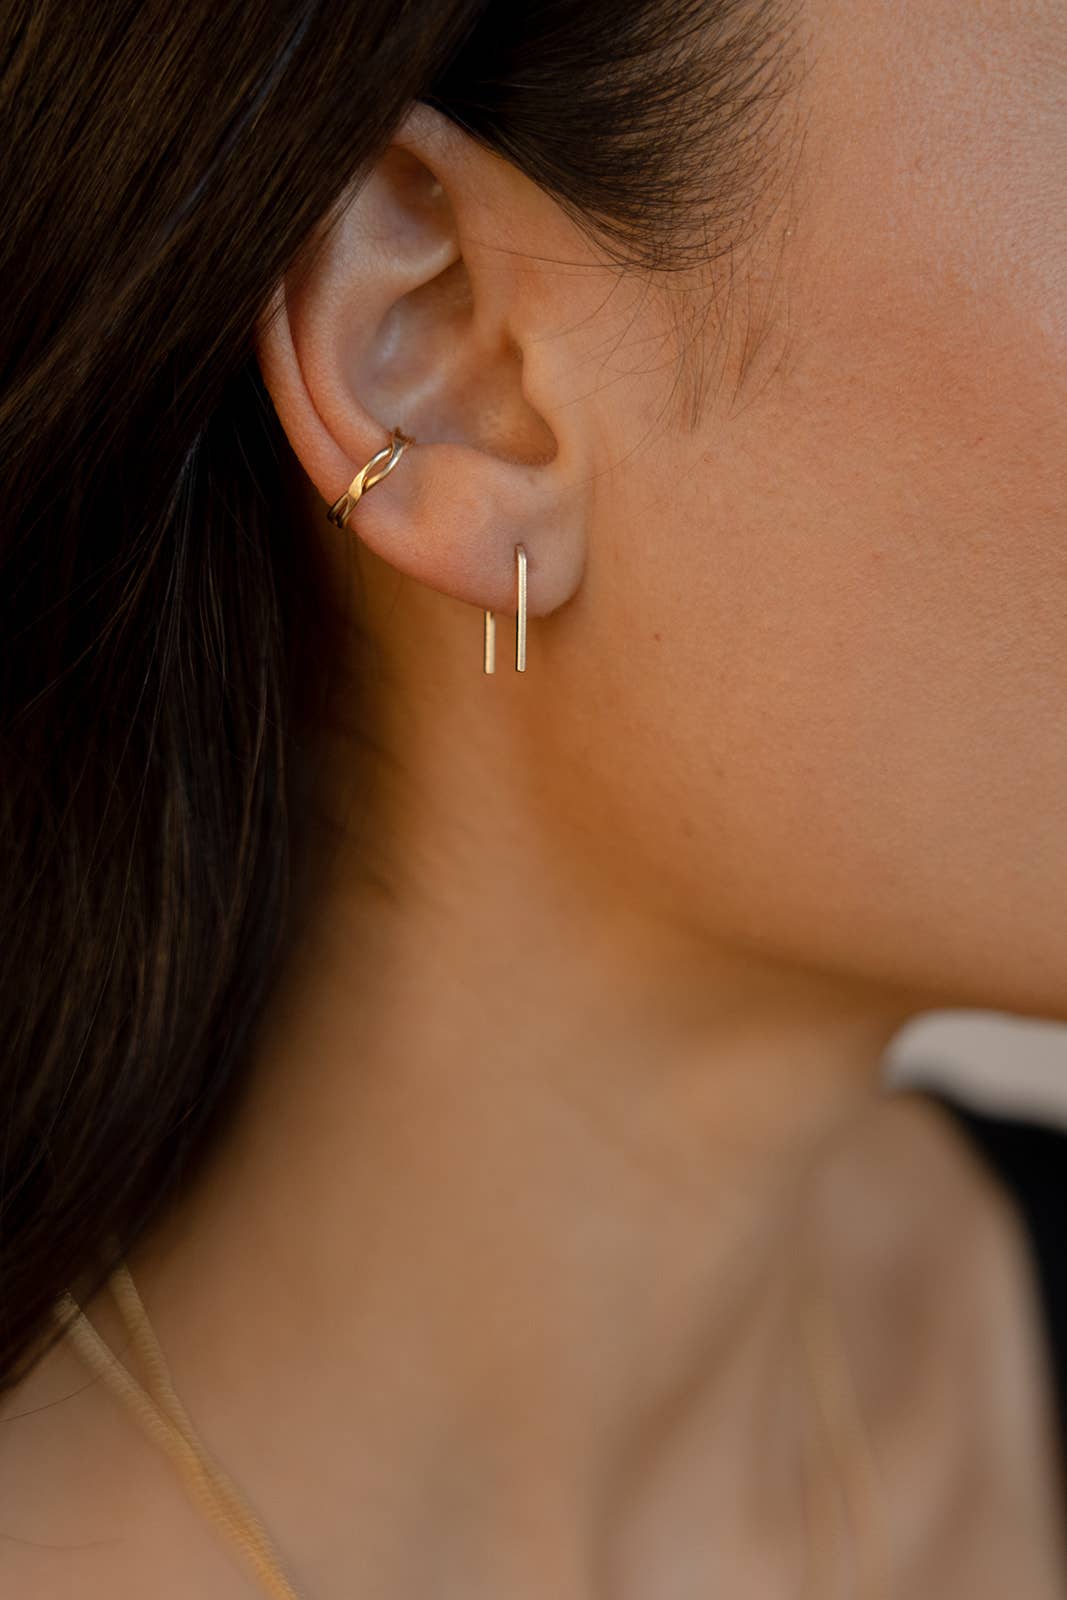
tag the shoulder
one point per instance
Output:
(87, 1506)
(933, 1268)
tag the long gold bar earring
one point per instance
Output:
(520, 617)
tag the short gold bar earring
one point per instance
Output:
(490, 642)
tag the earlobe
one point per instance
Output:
(405, 317)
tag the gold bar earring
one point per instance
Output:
(520, 615)
(490, 642)
(489, 653)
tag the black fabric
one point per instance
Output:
(1030, 1159)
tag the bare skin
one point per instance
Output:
(573, 1069)
(926, 1261)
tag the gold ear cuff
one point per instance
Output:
(378, 467)
(367, 477)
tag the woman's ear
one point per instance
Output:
(431, 304)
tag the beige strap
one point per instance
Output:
(165, 1421)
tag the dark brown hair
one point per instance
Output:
(162, 166)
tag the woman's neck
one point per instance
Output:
(503, 1251)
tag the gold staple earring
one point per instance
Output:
(520, 621)
(378, 467)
